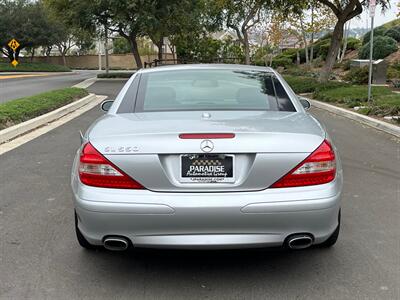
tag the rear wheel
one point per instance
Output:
(81, 239)
(333, 238)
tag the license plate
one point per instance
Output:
(207, 168)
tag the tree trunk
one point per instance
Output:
(135, 52)
(16, 54)
(312, 34)
(346, 37)
(172, 48)
(246, 48)
(10, 54)
(337, 37)
(303, 33)
(160, 45)
(64, 59)
(106, 47)
(32, 54)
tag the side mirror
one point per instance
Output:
(305, 103)
(106, 105)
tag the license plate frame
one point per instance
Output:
(212, 161)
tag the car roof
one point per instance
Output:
(205, 66)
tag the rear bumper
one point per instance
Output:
(207, 220)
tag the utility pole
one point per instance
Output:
(99, 45)
(106, 46)
(372, 5)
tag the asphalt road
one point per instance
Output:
(40, 258)
(22, 87)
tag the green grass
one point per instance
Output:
(385, 102)
(115, 75)
(23, 109)
(32, 67)
(302, 84)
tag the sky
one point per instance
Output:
(380, 18)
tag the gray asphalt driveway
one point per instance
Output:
(40, 259)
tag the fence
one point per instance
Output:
(116, 61)
(222, 60)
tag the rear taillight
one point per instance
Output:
(318, 168)
(96, 170)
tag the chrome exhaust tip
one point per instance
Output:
(116, 243)
(299, 241)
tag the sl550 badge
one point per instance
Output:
(121, 149)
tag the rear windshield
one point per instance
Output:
(190, 90)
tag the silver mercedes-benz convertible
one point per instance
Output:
(206, 156)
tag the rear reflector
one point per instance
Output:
(207, 135)
(96, 170)
(318, 168)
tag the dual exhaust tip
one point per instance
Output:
(299, 241)
(295, 242)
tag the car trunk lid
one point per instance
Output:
(148, 146)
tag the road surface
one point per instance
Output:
(21, 87)
(40, 258)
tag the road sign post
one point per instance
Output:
(372, 6)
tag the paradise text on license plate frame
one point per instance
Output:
(207, 168)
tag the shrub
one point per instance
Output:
(23, 109)
(346, 65)
(32, 67)
(115, 75)
(353, 43)
(282, 62)
(351, 95)
(301, 85)
(394, 33)
(379, 31)
(396, 84)
(383, 46)
(287, 54)
(393, 71)
(357, 75)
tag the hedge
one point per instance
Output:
(23, 109)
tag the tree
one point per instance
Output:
(192, 28)
(131, 19)
(163, 21)
(26, 22)
(241, 16)
(344, 11)
(121, 46)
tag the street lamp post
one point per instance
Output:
(372, 4)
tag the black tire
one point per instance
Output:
(81, 239)
(333, 238)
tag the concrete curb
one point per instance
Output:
(377, 124)
(22, 128)
(86, 83)
(112, 79)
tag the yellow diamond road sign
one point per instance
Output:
(13, 44)
(14, 63)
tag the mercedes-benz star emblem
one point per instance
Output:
(206, 146)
